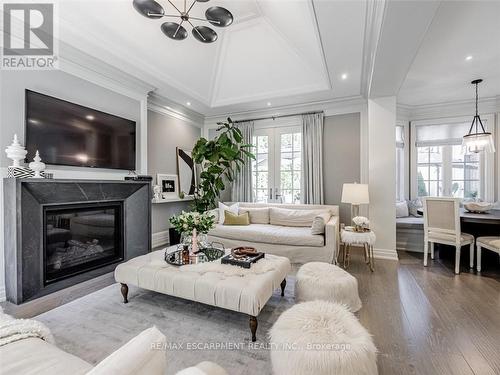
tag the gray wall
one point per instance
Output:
(165, 133)
(341, 153)
(61, 85)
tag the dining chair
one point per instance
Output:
(487, 242)
(442, 225)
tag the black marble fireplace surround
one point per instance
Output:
(38, 215)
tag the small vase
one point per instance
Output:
(194, 242)
(16, 152)
(37, 166)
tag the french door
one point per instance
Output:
(277, 170)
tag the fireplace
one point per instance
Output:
(59, 233)
(80, 237)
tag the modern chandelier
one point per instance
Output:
(217, 16)
(478, 139)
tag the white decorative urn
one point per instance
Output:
(37, 166)
(16, 152)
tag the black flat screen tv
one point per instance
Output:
(69, 134)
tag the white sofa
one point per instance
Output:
(294, 242)
(143, 355)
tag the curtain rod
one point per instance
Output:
(278, 116)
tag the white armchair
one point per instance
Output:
(442, 225)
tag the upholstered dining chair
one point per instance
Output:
(442, 225)
(490, 243)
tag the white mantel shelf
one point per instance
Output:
(155, 201)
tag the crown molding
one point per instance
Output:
(447, 109)
(375, 11)
(329, 107)
(78, 63)
(169, 108)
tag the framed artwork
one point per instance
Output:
(186, 170)
(169, 185)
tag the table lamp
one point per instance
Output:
(355, 194)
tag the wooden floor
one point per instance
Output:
(429, 321)
(424, 320)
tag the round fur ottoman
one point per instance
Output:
(325, 281)
(321, 338)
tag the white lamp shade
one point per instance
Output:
(355, 194)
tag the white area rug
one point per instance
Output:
(94, 326)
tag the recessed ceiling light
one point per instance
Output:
(344, 76)
(468, 58)
(90, 117)
(268, 104)
(188, 103)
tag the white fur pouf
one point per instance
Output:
(325, 281)
(321, 338)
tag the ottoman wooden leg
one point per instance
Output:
(124, 290)
(283, 285)
(253, 327)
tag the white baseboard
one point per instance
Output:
(160, 239)
(385, 254)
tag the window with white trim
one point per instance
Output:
(400, 164)
(440, 165)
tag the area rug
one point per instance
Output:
(93, 326)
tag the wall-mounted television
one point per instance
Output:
(66, 133)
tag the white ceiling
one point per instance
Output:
(440, 72)
(278, 51)
(291, 52)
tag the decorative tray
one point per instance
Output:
(245, 262)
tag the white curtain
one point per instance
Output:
(242, 190)
(312, 158)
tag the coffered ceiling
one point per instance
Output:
(277, 52)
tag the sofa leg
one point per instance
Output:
(283, 286)
(253, 327)
(124, 290)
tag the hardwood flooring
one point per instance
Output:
(423, 320)
(429, 321)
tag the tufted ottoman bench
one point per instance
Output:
(221, 285)
(325, 281)
(321, 338)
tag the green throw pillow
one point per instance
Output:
(233, 219)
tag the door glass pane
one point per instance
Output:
(290, 167)
(260, 168)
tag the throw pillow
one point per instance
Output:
(235, 219)
(215, 214)
(293, 218)
(223, 207)
(413, 206)
(258, 215)
(402, 209)
(319, 223)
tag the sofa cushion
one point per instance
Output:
(236, 219)
(35, 356)
(258, 215)
(293, 218)
(223, 207)
(272, 234)
(402, 209)
(319, 222)
(142, 355)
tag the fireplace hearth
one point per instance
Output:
(59, 233)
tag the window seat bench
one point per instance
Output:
(410, 234)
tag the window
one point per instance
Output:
(440, 165)
(430, 171)
(400, 164)
(277, 170)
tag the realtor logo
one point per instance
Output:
(28, 36)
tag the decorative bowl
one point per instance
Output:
(478, 207)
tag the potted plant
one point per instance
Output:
(219, 159)
(193, 227)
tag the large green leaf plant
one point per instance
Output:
(219, 159)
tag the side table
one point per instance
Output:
(349, 237)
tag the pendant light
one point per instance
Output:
(478, 138)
